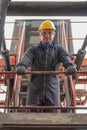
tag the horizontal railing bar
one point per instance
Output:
(42, 72)
(40, 107)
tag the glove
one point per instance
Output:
(70, 71)
(20, 70)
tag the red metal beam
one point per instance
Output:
(2, 103)
(81, 81)
(44, 72)
(40, 107)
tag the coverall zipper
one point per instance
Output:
(44, 87)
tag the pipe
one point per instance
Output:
(40, 107)
(43, 72)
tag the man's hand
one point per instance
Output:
(20, 70)
(70, 71)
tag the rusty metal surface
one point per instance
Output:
(47, 8)
(43, 120)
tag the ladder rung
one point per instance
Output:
(2, 102)
(23, 94)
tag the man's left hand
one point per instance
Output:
(70, 71)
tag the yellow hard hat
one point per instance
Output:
(47, 24)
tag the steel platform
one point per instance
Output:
(39, 121)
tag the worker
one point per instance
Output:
(44, 89)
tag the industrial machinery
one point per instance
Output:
(14, 87)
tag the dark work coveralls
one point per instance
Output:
(45, 89)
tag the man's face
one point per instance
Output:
(47, 36)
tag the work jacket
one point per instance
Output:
(45, 88)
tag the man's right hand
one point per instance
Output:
(20, 70)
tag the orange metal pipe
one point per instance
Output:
(12, 38)
(43, 72)
(81, 81)
(76, 38)
(73, 91)
(19, 50)
(40, 107)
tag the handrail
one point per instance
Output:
(42, 107)
(64, 37)
(73, 91)
(18, 60)
(43, 72)
(21, 43)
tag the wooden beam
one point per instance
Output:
(47, 9)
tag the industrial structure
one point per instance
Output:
(14, 87)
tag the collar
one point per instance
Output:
(46, 46)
